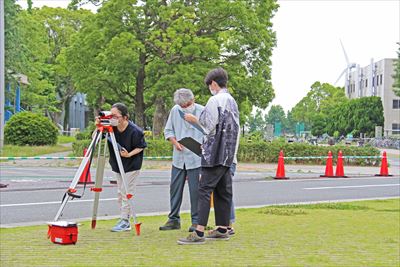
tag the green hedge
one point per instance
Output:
(155, 147)
(265, 152)
(268, 152)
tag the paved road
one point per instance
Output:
(34, 194)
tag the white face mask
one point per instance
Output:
(213, 92)
(189, 109)
(114, 122)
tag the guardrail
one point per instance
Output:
(69, 158)
(344, 157)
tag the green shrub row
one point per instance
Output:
(266, 152)
(155, 147)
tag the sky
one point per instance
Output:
(308, 40)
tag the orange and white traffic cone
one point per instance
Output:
(86, 172)
(339, 166)
(280, 171)
(329, 166)
(384, 166)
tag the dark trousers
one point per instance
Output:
(178, 179)
(218, 180)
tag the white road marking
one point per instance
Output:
(350, 186)
(326, 179)
(52, 202)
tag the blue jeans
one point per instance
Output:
(178, 178)
(232, 169)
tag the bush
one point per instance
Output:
(87, 133)
(27, 128)
(155, 147)
(267, 152)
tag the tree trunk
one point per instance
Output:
(160, 117)
(139, 98)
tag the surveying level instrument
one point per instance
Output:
(104, 127)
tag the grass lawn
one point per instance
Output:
(31, 151)
(362, 233)
(63, 139)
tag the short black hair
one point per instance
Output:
(218, 75)
(122, 109)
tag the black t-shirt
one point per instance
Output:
(132, 137)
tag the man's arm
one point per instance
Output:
(127, 154)
(208, 119)
(169, 132)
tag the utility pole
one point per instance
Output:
(2, 74)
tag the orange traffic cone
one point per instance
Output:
(137, 228)
(384, 166)
(280, 171)
(339, 166)
(86, 172)
(329, 166)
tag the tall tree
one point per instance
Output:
(356, 116)
(276, 113)
(256, 122)
(14, 57)
(322, 98)
(140, 52)
(60, 25)
(26, 49)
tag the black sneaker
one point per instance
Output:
(192, 239)
(217, 235)
(171, 225)
(192, 228)
(231, 231)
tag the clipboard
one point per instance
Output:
(191, 144)
(195, 125)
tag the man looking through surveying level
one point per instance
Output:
(131, 144)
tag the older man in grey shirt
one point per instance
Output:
(185, 163)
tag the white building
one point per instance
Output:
(377, 80)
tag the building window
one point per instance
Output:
(366, 83)
(381, 79)
(395, 128)
(396, 104)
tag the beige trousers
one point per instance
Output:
(131, 182)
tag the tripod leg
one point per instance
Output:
(101, 160)
(79, 172)
(129, 196)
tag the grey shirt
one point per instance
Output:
(177, 127)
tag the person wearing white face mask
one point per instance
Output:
(131, 141)
(220, 122)
(185, 164)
